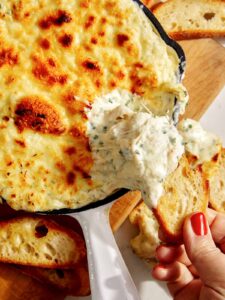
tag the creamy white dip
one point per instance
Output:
(200, 143)
(131, 147)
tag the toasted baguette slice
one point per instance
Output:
(39, 241)
(186, 191)
(74, 282)
(217, 185)
(190, 19)
(146, 242)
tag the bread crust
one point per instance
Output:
(195, 34)
(216, 185)
(190, 33)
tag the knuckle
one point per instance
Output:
(204, 252)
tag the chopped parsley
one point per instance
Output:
(172, 140)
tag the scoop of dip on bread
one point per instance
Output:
(134, 149)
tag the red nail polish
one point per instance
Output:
(199, 224)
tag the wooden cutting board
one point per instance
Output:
(205, 74)
(204, 80)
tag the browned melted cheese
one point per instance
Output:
(47, 72)
(56, 19)
(56, 57)
(8, 57)
(33, 113)
(66, 40)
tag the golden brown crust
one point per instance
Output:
(59, 18)
(217, 185)
(167, 236)
(36, 114)
(195, 34)
(8, 57)
(47, 72)
(156, 7)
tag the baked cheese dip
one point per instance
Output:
(57, 57)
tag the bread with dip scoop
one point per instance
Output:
(189, 19)
(186, 190)
(147, 240)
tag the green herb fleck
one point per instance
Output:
(95, 137)
(172, 140)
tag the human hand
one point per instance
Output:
(195, 270)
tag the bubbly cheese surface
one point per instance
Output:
(56, 57)
(131, 147)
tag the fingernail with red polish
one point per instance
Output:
(199, 224)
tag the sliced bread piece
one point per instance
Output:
(189, 19)
(39, 241)
(217, 185)
(74, 282)
(146, 242)
(186, 191)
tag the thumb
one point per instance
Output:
(208, 260)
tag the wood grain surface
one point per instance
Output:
(205, 74)
(204, 80)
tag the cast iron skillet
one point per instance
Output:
(182, 64)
